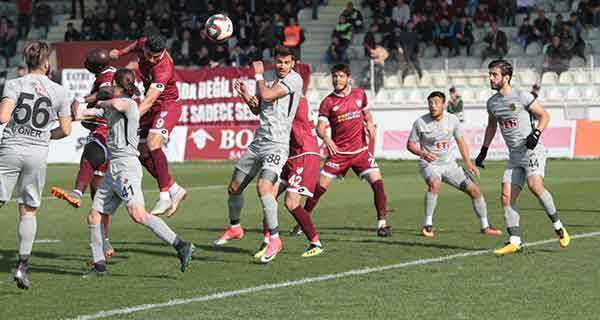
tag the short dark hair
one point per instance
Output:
(438, 94)
(452, 89)
(283, 51)
(341, 67)
(35, 53)
(506, 69)
(155, 43)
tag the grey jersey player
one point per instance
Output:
(512, 109)
(432, 139)
(31, 107)
(279, 96)
(123, 180)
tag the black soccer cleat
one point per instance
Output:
(384, 231)
(185, 254)
(95, 273)
(20, 276)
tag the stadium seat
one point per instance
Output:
(391, 81)
(415, 97)
(573, 93)
(597, 76)
(478, 81)
(485, 94)
(534, 49)
(561, 6)
(429, 52)
(552, 93)
(383, 98)
(576, 62)
(549, 78)
(515, 50)
(469, 95)
(472, 63)
(528, 77)
(440, 79)
(323, 82)
(456, 63)
(582, 77)
(399, 96)
(314, 98)
(590, 93)
(593, 34)
(426, 81)
(410, 81)
(566, 78)
(459, 81)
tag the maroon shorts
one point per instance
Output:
(160, 119)
(300, 175)
(337, 166)
(100, 139)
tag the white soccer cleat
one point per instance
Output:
(176, 197)
(161, 207)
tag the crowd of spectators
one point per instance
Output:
(259, 25)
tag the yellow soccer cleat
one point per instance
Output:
(563, 237)
(509, 248)
(313, 250)
(261, 251)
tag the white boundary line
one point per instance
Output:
(285, 284)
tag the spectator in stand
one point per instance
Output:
(8, 40)
(583, 12)
(401, 13)
(202, 57)
(558, 24)
(165, 26)
(102, 33)
(42, 16)
(593, 8)
(21, 71)
(525, 6)
(425, 27)
(443, 9)
(388, 29)
(455, 104)
(471, 7)
(133, 31)
(372, 39)
(430, 9)
(557, 57)
(542, 27)
(288, 11)
(506, 11)
(576, 28)
(159, 9)
(343, 30)
(219, 55)
(72, 34)
(353, 16)
(238, 57)
(87, 34)
(382, 9)
(253, 53)
(117, 32)
(445, 36)
(408, 50)
(268, 36)
(497, 43)
(336, 52)
(182, 49)
(526, 34)
(74, 9)
(482, 15)
(464, 34)
(24, 11)
(293, 37)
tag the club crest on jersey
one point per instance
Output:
(39, 89)
(513, 107)
(335, 108)
(164, 114)
(358, 102)
(300, 170)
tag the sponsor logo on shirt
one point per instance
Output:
(442, 145)
(509, 123)
(332, 165)
(348, 116)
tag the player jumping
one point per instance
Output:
(345, 110)
(279, 93)
(431, 140)
(160, 112)
(300, 173)
(123, 181)
(31, 106)
(514, 110)
(94, 160)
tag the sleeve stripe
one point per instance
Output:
(323, 118)
(286, 86)
(105, 84)
(158, 86)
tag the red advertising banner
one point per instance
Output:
(217, 142)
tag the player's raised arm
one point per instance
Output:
(251, 101)
(117, 53)
(265, 93)
(7, 106)
(490, 132)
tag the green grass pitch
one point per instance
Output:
(544, 282)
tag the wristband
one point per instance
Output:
(259, 77)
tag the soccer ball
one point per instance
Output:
(219, 27)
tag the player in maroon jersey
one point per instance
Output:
(345, 111)
(160, 112)
(300, 173)
(94, 160)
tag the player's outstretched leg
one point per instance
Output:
(26, 231)
(380, 200)
(292, 203)
(480, 209)
(265, 189)
(509, 196)
(184, 248)
(536, 185)
(430, 202)
(235, 203)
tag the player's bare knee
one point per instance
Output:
(144, 152)
(264, 187)
(138, 216)
(94, 217)
(505, 199)
(536, 188)
(292, 201)
(25, 210)
(234, 187)
(155, 141)
(434, 186)
(472, 190)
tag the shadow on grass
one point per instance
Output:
(408, 244)
(225, 249)
(570, 210)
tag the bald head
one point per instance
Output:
(97, 60)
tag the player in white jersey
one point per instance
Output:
(279, 92)
(514, 110)
(31, 107)
(123, 181)
(431, 139)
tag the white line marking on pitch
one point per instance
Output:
(47, 241)
(333, 276)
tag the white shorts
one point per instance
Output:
(25, 168)
(452, 174)
(521, 165)
(123, 182)
(263, 155)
